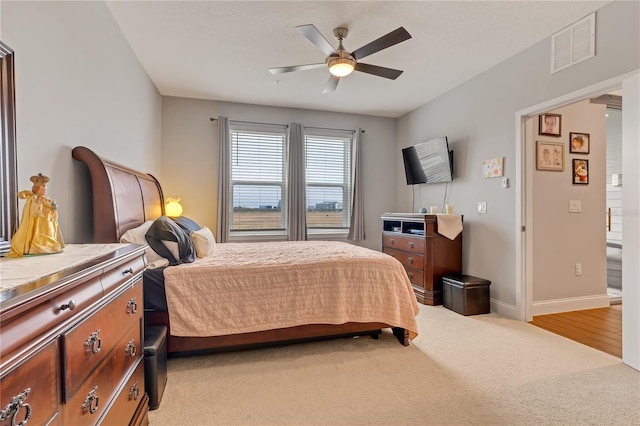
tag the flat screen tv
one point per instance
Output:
(428, 162)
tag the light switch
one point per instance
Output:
(482, 207)
(575, 206)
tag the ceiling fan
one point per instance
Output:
(340, 62)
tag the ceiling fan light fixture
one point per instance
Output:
(341, 66)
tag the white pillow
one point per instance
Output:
(136, 236)
(204, 242)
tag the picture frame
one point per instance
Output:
(579, 143)
(550, 156)
(550, 125)
(580, 168)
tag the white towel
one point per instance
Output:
(449, 225)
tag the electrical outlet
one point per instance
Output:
(482, 207)
(578, 269)
(505, 182)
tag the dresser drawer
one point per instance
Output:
(416, 277)
(119, 274)
(408, 260)
(127, 401)
(402, 242)
(85, 346)
(31, 387)
(24, 328)
(93, 396)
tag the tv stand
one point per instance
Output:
(427, 256)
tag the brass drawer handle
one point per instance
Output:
(92, 401)
(131, 348)
(128, 271)
(411, 244)
(410, 274)
(410, 259)
(134, 392)
(94, 342)
(70, 306)
(12, 408)
(132, 306)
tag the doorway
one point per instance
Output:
(525, 231)
(614, 196)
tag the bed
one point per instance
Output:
(124, 199)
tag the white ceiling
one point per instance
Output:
(222, 50)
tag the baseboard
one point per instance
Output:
(503, 309)
(546, 307)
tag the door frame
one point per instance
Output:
(524, 194)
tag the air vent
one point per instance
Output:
(574, 44)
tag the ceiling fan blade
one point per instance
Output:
(389, 73)
(281, 70)
(315, 37)
(388, 40)
(331, 85)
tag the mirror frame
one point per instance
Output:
(8, 151)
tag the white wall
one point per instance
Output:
(190, 154)
(478, 118)
(560, 238)
(631, 223)
(614, 166)
(77, 83)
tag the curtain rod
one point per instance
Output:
(251, 122)
(326, 128)
(286, 125)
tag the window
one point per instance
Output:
(328, 173)
(258, 178)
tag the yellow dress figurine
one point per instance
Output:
(38, 232)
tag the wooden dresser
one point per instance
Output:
(71, 342)
(413, 239)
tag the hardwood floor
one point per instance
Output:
(599, 328)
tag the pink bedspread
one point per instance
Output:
(246, 287)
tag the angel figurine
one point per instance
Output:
(38, 232)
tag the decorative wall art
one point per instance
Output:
(493, 167)
(549, 155)
(579, 143)
(550, 124)
(580, 171)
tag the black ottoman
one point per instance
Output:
(466, 294)
(155, 363)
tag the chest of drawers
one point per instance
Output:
(71, 345)
(427, 256)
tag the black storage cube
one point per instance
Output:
(465, 294)
(155, 363)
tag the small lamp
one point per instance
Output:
(173, 207)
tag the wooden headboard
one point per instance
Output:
(123, 198)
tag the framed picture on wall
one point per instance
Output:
(579, 143)
(550, 124)
(550, 156)
(580, 171)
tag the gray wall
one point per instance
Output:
(479, 119)
(77, 83)
(190, 154)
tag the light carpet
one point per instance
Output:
(476, 370)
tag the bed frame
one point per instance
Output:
(124, 198)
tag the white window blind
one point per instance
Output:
(328, 174)
(258, 178)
